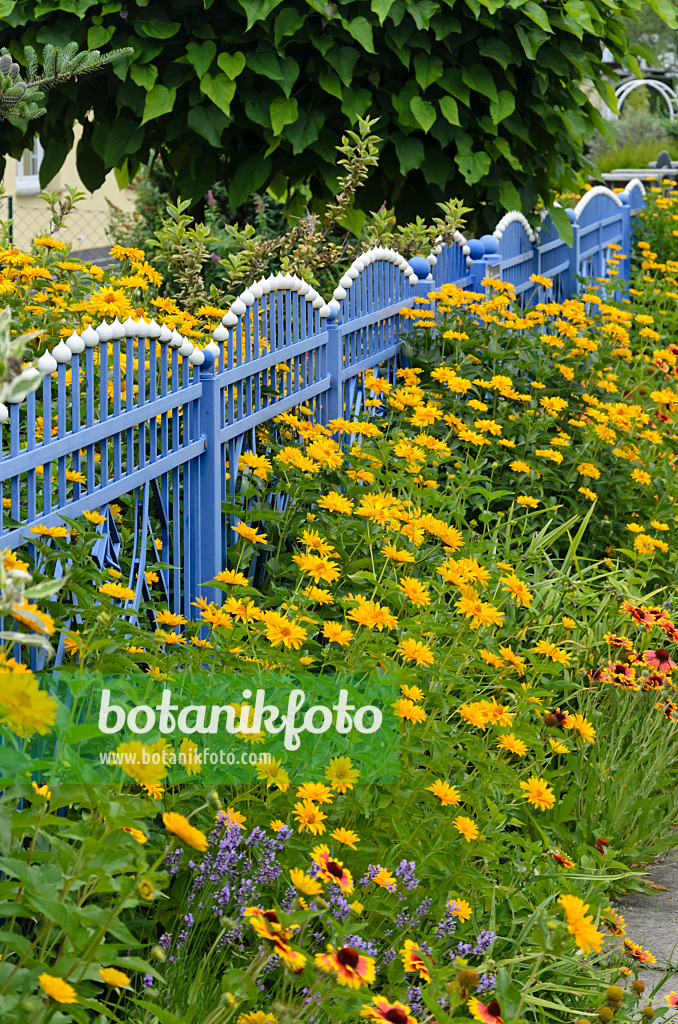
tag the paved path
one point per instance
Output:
(652, 920)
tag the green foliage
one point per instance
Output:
(23, 100)
(479, 99)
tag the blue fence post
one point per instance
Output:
(572, 285)
(625, 266)
(486, 262)
(205, 513)
(334, 399)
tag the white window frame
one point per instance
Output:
(29, 184)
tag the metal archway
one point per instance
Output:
(666, 91)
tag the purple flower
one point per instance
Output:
(405, 871)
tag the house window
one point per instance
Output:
(28, 170)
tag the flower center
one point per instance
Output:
(348, 957)
(396, 1015)
(494, 1008)
(662, 654)
(334, 869)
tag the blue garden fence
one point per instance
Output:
(136, 411)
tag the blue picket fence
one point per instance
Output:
(134, 412)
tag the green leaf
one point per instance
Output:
(509, 196)
(305, 130)
(424, 112)
(531, 41)
(480, 80)
(537, 15)
(410, 152)
(157, 29)
(283, 111)
(252, 173)
(381, 8)
(201, 55)
(356, 103)
(159, 101)
(288, 23)
(330, 83)
(422, 11)
(144, 75)
(97, 35)
(427, 70)
(496, 49)
(473, 166)
(503, 106)
(125, 136)
(449, 109)
(219, 89)
(209, 122)
(361, 30)
(232, 63)
(258, 10)
(563, 226)
(343, 60)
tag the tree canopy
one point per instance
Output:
(482, 99)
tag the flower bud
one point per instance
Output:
(638, 986)
(648, 1012)
(614, 995)
(605, 1014)
(468, 978)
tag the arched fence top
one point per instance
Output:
(667, 92)
(635, 183)
(512, 217)
(594, 193)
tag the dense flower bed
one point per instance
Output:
(494, 534)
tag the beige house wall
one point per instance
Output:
(86, 227)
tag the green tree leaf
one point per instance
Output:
(209, 122)
(251, 174)
(159, 101)
(410, 152)
(219, 89)
(427, 69)
(449, 109)
(144, 75)
(503, 106)
(201, 55)
(424, 112)
(480, 80)
(258, 10)
(283, 111)
(538, 15)
(562, 223)
(305, 130)
(157, 29)
(361, 30)
(125, 137)
(381, 8)
(232, 63)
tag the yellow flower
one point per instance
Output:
(466, 827)
(460, 908)
(136, 760)
(117, 591)
(145, 889)
(309, 817)
(42, 790)
(507, 741)
(538, 793)
(23, 706)
(580, 924)
(641, 477)
(527, 501)
(182, 828)
(416, 651)
(318, 792)
(447, 794)
(304, 883)
(29, 615)
(136, 834)
(408, 710)
(341, 774)
(57, 989)
(189, 757)
(114, 977)
(346, 837)
(249, 533)
(275, 775)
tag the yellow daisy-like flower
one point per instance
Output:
(57, 989)
(118, 979)
(466, 828)
(304, 883)
(346, 837)
(341, 774)
(538, 793)
(182, 828)
(511, 743)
